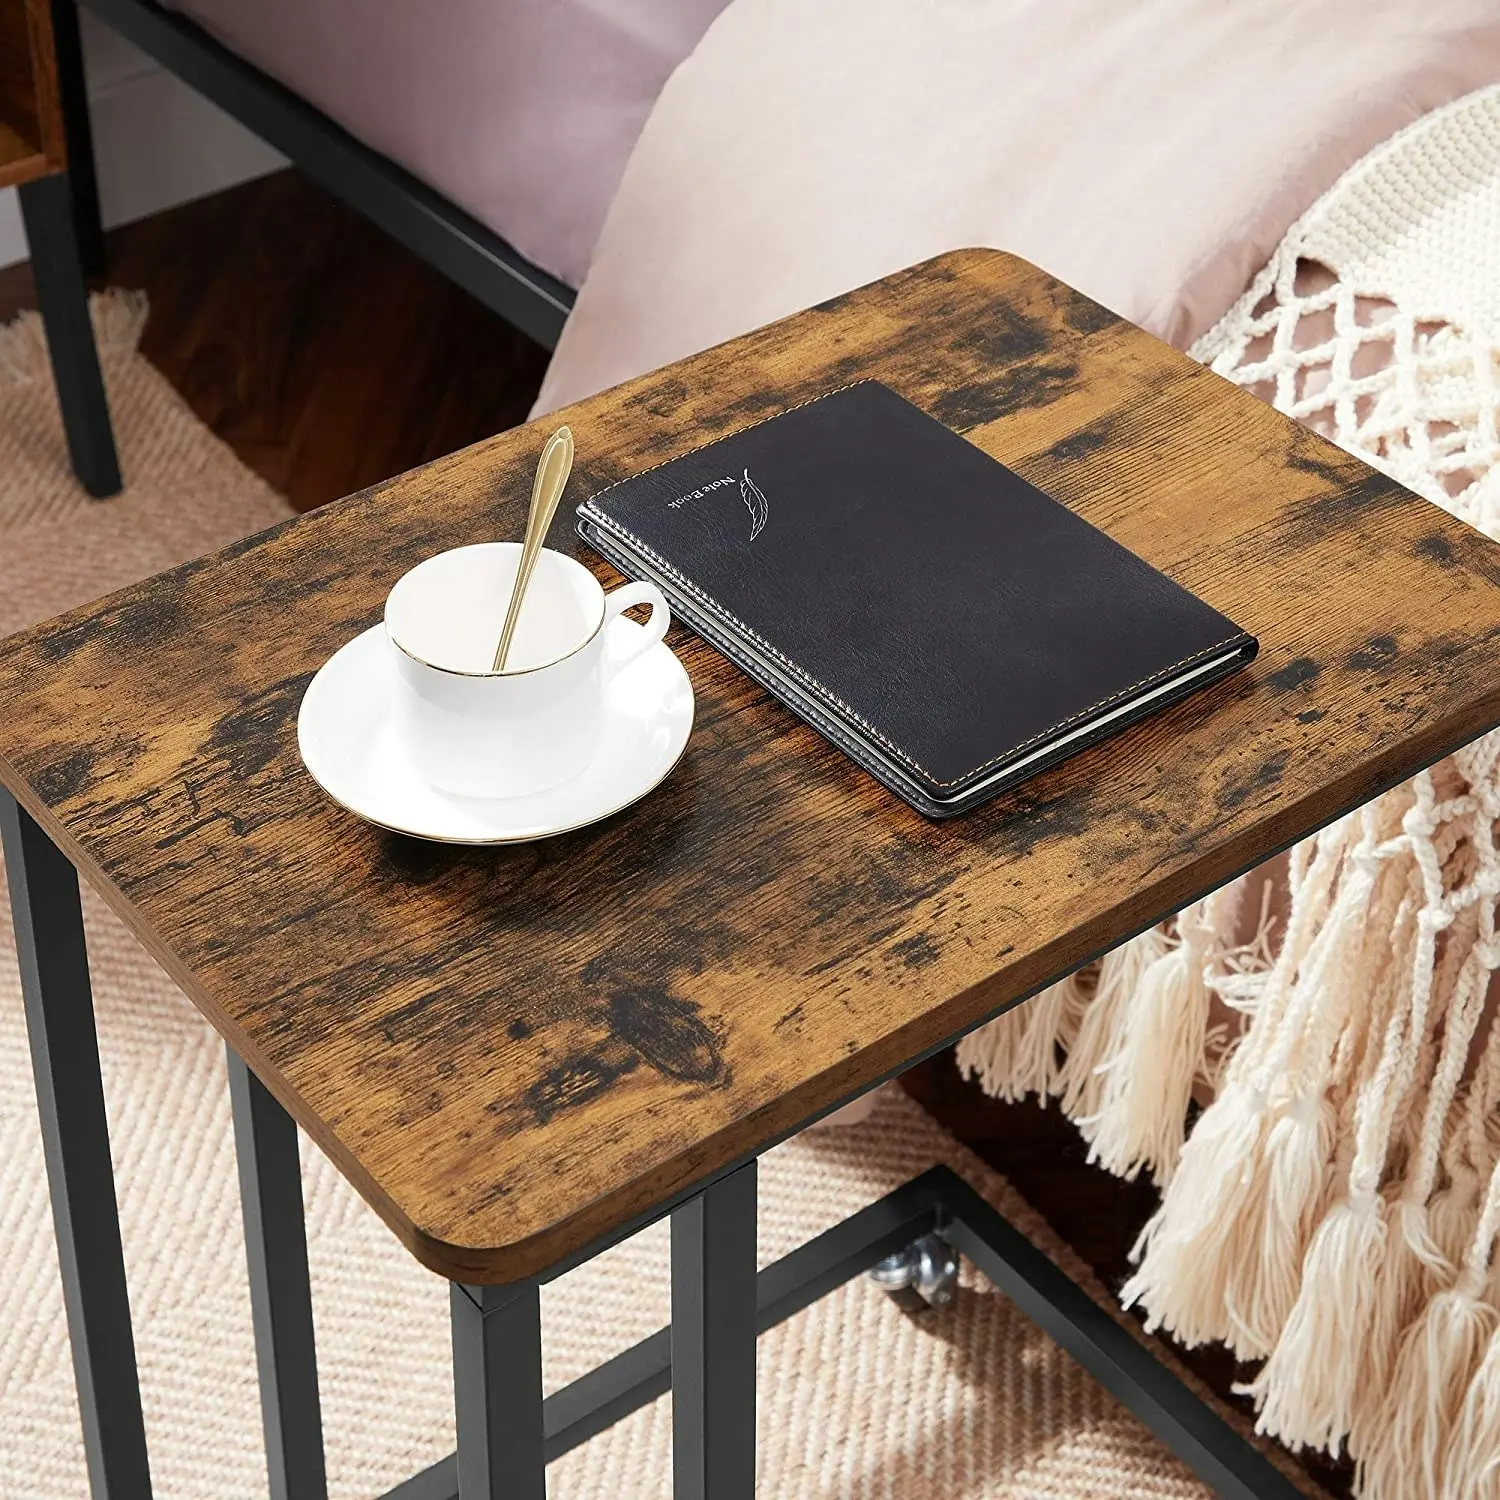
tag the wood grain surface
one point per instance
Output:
(513, 1052)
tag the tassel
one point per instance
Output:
(1146, 1081)
(1430, 1231)
(1308, 1388)
(1412, 1271)
(1474, 1468)
(1320, 1046)
(1021, 1052)
(118, 317)
(1438, 1357)
(1409, 1273)
(1296, 1172)
(1305, 1391)
(1107, 1019)
(1197, 1255)
(1186, 1251)
(1418, 1452)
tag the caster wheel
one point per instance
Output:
(922, 1276)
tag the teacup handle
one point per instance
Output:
(655, 628)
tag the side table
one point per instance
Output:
(519, 1055)
(46, 154)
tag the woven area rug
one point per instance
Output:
(856, 1398)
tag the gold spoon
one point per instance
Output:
(552, 471)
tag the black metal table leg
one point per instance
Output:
(1061, 1308)
(497, 1392)
(713, 1342)
(265, 1139)
(47, 209)
(75, 1140)
(83, 183)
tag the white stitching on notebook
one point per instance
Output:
(610, 524)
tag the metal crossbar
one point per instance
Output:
(937, 1200)
(446, 237)
(643, 1372)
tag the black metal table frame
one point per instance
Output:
(507, 1432)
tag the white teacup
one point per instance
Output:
(537, 724)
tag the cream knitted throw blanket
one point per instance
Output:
(1333, 1210)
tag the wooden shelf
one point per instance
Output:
(31, 134)
(20, 160)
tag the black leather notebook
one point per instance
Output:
(945, 623)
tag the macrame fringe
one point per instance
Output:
(1154, 1050)
(1346, 1316)
(1201, 1256)
(1423, 1447)
(1439, 1354)
(1474, 1469)
(119, 319)
(1325, 1040)
(1410, 1270)
(1306, 1390)
(1105, 1019)
(1187, 1250)
(1021, 1052)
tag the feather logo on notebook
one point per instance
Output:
(755, 503)
(750, 493)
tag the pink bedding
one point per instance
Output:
(523, 112)
(1151, 154)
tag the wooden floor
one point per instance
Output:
(329, 358)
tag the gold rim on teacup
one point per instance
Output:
(540, 666)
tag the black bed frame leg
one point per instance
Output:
(75, 1142)
(265, 1139)
(47, 209)
(83, 181)
(713, 1341)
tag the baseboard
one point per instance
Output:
(12, 236)
(157, 143)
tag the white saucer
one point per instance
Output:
(350, 747)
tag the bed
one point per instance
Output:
(1152, 156)
(488, 139)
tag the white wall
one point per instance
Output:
(156, 142)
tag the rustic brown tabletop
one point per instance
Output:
(513, 1053)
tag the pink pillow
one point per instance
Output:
(523, 112)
